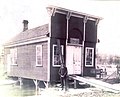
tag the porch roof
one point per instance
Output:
(54, 9)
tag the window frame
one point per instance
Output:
(41, 55)
(56, 65)
(13, 56)
(92, 57)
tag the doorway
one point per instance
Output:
(73, 59)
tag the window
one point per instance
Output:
(13, 56)
(56, 57)
(89, 54)
(39, 55)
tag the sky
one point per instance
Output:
(13, 12)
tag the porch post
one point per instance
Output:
(46, 84)
(75, 84)
(21, 83)
(67, 17)
(83, 44)
(36, 82)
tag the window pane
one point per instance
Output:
(39, 55)
(13, 53)
(89, 56)
(56, 56)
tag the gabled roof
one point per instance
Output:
(30, 34)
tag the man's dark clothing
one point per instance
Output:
(63, 77)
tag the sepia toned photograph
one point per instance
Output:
(59, 48)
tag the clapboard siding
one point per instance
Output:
(26, 62)
(6, 52)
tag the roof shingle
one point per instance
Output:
(29, 34)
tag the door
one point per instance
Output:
(73, 59)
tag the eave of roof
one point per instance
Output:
(54, 9)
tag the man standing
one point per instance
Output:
(63, 76)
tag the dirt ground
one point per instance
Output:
(87, 92)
